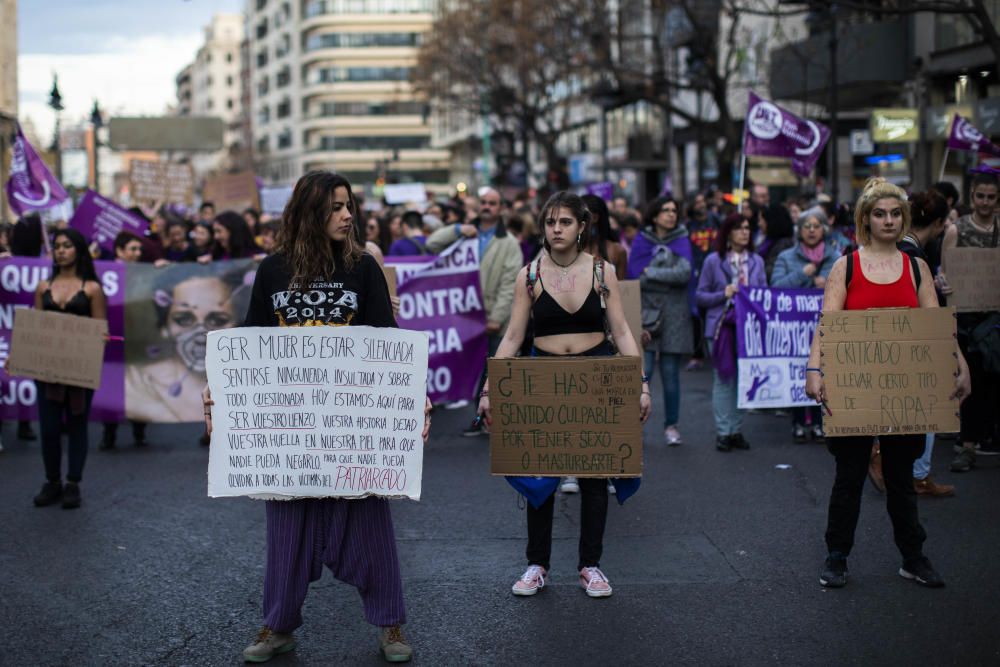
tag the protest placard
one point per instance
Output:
(234, 192)
(974, 274)
(161, 182)
(316, 412)
(274, 198)
(632, 305)
(57, 347)
(101, 220)
(566, 416)
(404, 193)
(19, 278)
(889, 371)
(773, 335)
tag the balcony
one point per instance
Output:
(873, 61)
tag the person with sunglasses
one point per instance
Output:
(979, 416)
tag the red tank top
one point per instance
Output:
(863, 294)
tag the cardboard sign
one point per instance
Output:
(889, 371)
(161, 182)
(57, 347)
(556, 416)
(632, 305)
(405, 193)
(390, 279)
(974, 273)
(273, 199)
(315, 412)
(234, 192)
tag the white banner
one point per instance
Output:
(316, 412)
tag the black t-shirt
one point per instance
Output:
(359, 297)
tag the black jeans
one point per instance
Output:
(593, 516)
(898, 454)
(799, 415)
(51, 415)
(978, 413)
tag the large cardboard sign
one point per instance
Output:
(555, 416)
(317, 412)
(161, 182)
(974, 273)
(57, 347)
(632, 305)
(889, 371)
(234, 192)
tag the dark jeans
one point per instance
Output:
(51, 415)
(978, 412)
(593, 516)
(898, 454)
(493, 342)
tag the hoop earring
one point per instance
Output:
(579, 242)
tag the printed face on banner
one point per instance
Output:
(170, 313)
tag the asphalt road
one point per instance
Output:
(714, 562)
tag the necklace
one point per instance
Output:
(565, 267)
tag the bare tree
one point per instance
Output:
(513, 61)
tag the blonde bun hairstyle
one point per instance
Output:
(878, 188)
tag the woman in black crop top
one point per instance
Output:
(75, 289)
(565, 301)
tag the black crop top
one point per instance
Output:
(79, 303)
(551, 319)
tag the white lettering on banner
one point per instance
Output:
(16, 278)
(18, 392)
(326, 411)
(439, 380)
(456, 258)
(439, 302)
(7, 314)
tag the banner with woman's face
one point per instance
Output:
(168, 314)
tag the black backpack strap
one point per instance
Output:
(532, 277)
(915, 267)
(850, 269)
(602, 287)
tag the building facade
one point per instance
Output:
(8, 88)
(330, 89)
(212, 86)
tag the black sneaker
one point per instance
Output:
(799, 434)
(723, 443)
(51, 493)
(964, 461)
(922, 572)
(738, 441)
(71, 496)
(834, 573)
(818, 434)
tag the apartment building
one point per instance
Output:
(330, 89)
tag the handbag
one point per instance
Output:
(652, 321)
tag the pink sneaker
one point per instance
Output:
(532, 581)
(594, 582)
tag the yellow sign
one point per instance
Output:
(895, 126)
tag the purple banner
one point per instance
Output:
(965, 137)
(101, 220)
(31, 186)
(773, 131)
(19, 276)
(605, 190)
(774, 329)
(441, 295)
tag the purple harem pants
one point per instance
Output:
(354, 538)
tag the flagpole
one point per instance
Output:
(944, 161)
(743, 168)
(743, 153)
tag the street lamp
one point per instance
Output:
(55, 103)
(98, 123)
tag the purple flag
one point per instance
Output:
(31, 186)
(100, 219)
(965, 137)
(773, 131)
(19, 396)
(605, 190)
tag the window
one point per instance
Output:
(229, 103)
(264, 115)
(318, 7)
(209, 105)
(229, 57)
(283, 47)
(261, 4)
(362, 40)
(264, 145)
(334, 74)
(285, 139)
(208, 81)
(373, 143)
(284, 108)
(262, 58)
(371, 109)
(262, 29)
(284, 77)
(229, 81)
(263, 87)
